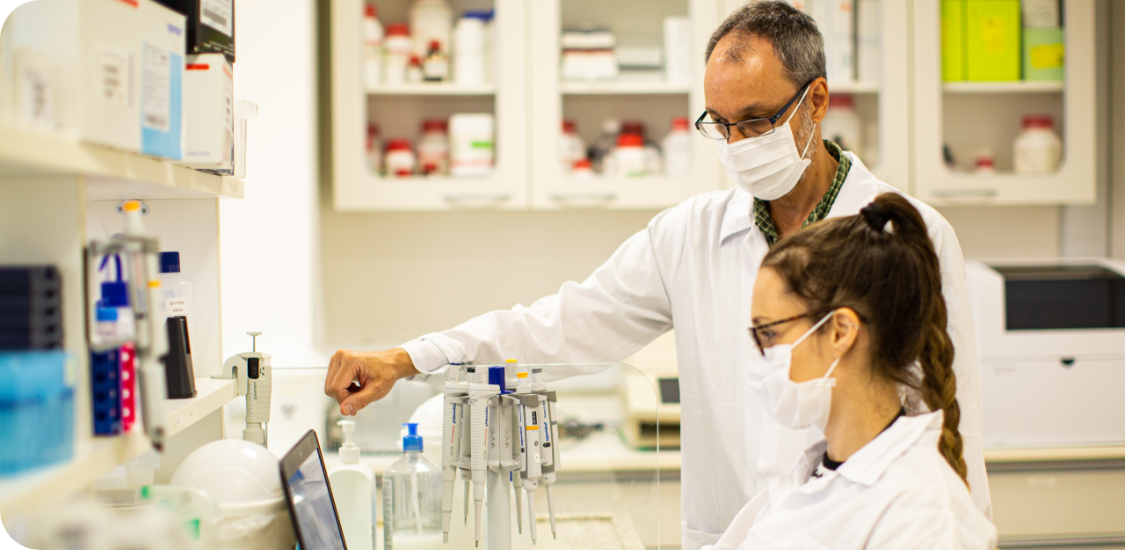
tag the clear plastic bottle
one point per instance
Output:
(372, 47)
(412, 499)
(677, 149)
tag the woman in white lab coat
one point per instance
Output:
(851, 324)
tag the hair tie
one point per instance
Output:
(875, 217)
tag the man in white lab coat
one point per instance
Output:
(693, 269)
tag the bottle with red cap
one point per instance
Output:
(677, 149)
(400, 158)
(582, 169)
(397, 46)
(433, 148)
(1038, 149)
(571, 147)
(630, 156)
(374, 148)
(984, 164)
(435, 68)
(372, 47)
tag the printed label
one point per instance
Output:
(156, 88)
(33, 91)
(113, 74)
(217, 14)
(177, 307)
(388, 514)
(1047, 56)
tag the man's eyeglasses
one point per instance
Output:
(751, 127)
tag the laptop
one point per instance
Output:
(315, 520)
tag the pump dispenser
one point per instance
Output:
(352, 485)
(412, 498)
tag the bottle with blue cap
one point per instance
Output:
(412, 498)
(175, 288)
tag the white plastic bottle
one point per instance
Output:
(468, 48)
(433, 148)
(842, 125)
(630, 156)
(400, 159)
(352, 483)
(372, 47)
(412, 499)
(471, 149)
(430, 20)
(677, 149)
(397, 46)
(1037, 149)
(175, 288)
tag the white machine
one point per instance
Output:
(647, 420)
(1051, 343)
(254, 378)
(500, 438)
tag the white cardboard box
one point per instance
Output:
(72, 67)
(161, 80)
(209, 112)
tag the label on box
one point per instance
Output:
(156, 88)
(217, 14)
(1047, 56)
(993, 34)
(34, 101)
(113, 74)
(175, 306)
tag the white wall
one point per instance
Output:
(269, 239)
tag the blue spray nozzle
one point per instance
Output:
(115, 294)
(411, 441)
(496, 378)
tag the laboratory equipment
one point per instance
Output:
(179, 373)
(209, 105)
(414, 73)
(677, 148)
(1038, 149)
(985, 164)
(352, 486)
(433, 148)
(399, 159)
(1051, 342)
(397, 46)
(647, 421)
(175, 288)
(602, 152)
(140, 258)
(411, 491)
(372, 47)
(1044, 54)
(122, 486)
(510, 445)
(36, 409)
(254, 379)
(242, 480)
(471, 147)
(105, 391)
(30, 308)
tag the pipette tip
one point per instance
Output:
(445, 538)
(555, 535)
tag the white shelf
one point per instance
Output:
(112, 173)
(1055, 454)
(853, 87)
(622, 87)
(434, 89)
(1016, 87)
(92, 459)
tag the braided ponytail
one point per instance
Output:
(882, 264)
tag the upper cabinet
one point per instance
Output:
(1004, 102)
(382, 114)
(624, 75)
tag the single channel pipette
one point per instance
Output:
(455, 391)
(549, 427)
(480, 392)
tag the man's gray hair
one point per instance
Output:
(796, 40)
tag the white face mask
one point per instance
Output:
(795, 406)
(768, 167)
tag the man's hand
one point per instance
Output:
(375, 372)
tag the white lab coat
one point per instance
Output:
(694, 268)
(896, 492)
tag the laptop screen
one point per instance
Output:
(309, 498)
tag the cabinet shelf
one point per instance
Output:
(93, 458)
(854, 87)
(442, 89)
(1017, 87)
(112, 173)
(622, 87)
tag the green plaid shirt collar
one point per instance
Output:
(762, 209)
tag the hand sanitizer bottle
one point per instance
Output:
(412, 499)
(352, 483)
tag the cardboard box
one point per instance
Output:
(953, 40)
(992, 40)
(209, 107)
(1044, 54)
(1041, 14)
(72, 67)
(161, 80)
(210, 25)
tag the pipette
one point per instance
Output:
(480, 393)
(530, 471)
(523, 388)
(550, 435)
(455, 390)
(464, 462)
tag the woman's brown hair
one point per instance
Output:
(882, 264)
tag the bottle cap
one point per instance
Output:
(107, 314)
(985, 161)
(398, 29)
(841, 101)
(630, 140)
(349, 451)
(411, 441)
(582, 164)
(1038, 121)
(435, 125)
(369, 11)
(569, 127)
(681, 123)
(435, 45)
(115, 294)
(398, 145)
(169, 262)
(633, 127)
